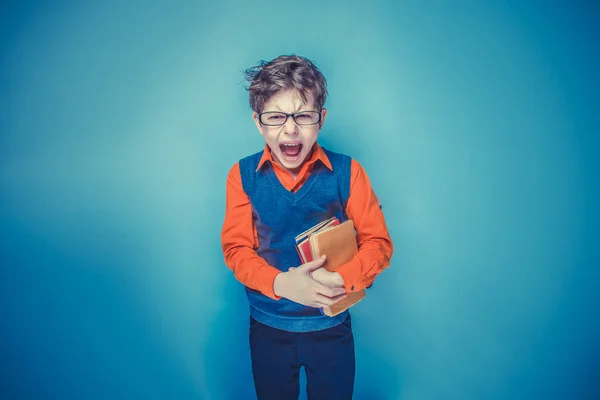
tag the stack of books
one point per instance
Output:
(338, 242)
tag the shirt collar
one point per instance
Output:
(317, 154)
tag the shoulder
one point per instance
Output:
(234, 176)
(248, 164)
(357, 171)
(355, 166)
(236, 169)
(338, 160)
(245, 169)
(358, 174)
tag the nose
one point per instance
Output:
(290, 127)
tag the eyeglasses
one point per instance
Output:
(273, 118)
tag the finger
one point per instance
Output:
(338, 298)
(291, 268)
(312, 265)
(329, 300)
(328, 291)
(319, 304)
(311, 273)
(326, 278)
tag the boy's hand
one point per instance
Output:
(298, 285)
(331, 279)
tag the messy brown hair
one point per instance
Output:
(282, 73)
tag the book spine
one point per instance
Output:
(300, 255)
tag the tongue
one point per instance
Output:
(290, 150)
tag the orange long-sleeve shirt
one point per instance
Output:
(239, 238)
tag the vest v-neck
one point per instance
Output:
(294, 197)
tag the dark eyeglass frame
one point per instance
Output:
(293, 115)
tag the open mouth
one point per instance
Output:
(291, 151)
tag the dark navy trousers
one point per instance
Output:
(327, 356)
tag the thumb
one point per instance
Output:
(313, 265)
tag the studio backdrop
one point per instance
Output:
(477, 122)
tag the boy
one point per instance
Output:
(274, 195)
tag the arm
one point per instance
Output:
(239, 240)
(375, 246)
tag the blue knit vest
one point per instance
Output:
(279, 216)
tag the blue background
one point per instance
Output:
(476, 121)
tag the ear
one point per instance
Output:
(257, 122)
(323, 116)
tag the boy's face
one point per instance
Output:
(290, 143)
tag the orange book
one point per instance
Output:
(338, 243)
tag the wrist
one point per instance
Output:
(279, 284)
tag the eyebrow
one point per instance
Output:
(298, 110)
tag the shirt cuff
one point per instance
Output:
(265, 285)
(351, 274)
